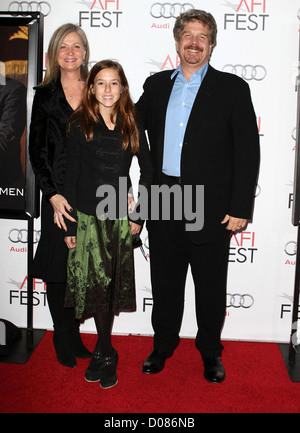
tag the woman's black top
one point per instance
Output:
(47, 139)
(47, 150)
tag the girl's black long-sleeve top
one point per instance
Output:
(101, 162)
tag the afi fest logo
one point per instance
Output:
(167, 64)
(242, 247)
(102, 13)
(19, 295)
(286, 311)
(248, 15)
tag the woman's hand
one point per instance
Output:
(60, 207)
(70, 241)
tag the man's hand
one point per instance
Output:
(234, 224)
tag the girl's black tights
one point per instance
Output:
(104, 322)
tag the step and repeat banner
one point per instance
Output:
(257, 40)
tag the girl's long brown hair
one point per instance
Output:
(89, 109)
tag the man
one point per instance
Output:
(202, 131)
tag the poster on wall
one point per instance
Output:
(20, 71)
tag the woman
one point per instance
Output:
(55, 100)
(103, 138)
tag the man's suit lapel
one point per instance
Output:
(164, 95)
(203, 101)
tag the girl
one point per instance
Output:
(102, 140)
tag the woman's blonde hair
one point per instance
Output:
(52, 71)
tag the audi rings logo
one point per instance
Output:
(239, 301)
(169, 10)
(21, 235)
(291, 248)
(247, 72)
(43, 7)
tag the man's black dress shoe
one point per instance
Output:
(213, 369)
(155, 362)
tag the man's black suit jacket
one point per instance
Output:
(220, 148)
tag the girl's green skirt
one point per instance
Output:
(100, 270)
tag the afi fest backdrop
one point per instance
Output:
(258, 40)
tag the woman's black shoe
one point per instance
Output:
(75, 342)
(65, 355)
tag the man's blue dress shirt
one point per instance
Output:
(179, 108)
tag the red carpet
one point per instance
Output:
(256, 382)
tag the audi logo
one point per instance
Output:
(239, 301)
(247, 72)
(43, 7)
(291, 248)
(169, 10)
(21, 235)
